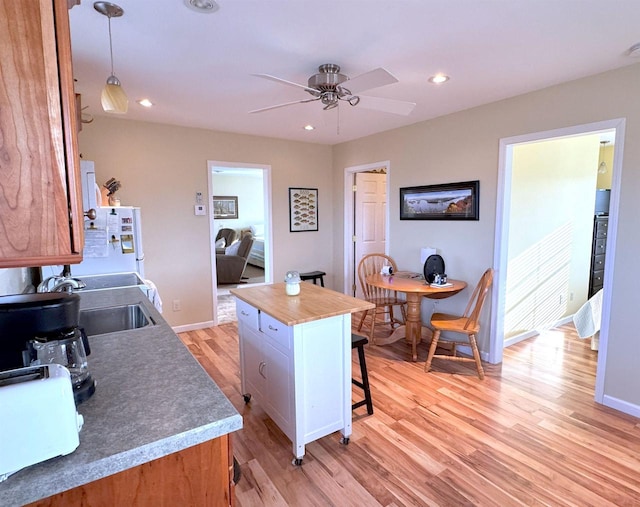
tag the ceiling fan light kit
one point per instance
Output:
(113, 97)
(328, 86)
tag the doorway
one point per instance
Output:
(248, 188)
(503, 217)
(364, 230)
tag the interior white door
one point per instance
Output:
(370, 205)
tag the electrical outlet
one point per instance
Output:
(571, 296)
(176, 305)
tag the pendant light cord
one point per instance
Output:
(110, 45)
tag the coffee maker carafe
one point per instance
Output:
(70, 349)
(43, 329)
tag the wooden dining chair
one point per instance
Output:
(384, 299)
(467, 324)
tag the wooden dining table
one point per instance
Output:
(414, 289)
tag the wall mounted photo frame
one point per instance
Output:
(303, 209)
(225, 206)
(447, 201)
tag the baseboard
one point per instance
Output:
(520, 337)
(621, 405)
(534, 332)
(192, 327)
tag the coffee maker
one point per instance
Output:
(38, 329)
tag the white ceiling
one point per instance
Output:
(197, 68)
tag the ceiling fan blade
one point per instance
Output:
(386, 105)
(290, 83)
(372, 79)
(283, 105)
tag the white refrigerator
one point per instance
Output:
(112, 243)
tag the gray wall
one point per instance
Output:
(465, 146)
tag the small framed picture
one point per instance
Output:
(448, 201)
(225, 206)
(303, 209)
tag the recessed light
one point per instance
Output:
(309, 127)
(438, 79)
(145, 102)
(202, 6)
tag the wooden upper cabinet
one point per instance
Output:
(40, 202)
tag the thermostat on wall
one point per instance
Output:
(200, 209)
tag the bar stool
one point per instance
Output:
(359, 342)
(313, 275)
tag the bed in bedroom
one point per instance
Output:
(256, 256)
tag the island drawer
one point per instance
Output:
(247, 314)
(275, 330)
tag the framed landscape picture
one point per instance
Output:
(225, 206)
(303, 209)
(447, 201)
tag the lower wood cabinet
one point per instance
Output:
(300, 375)
(199, 476)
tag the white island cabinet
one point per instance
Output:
(295, 358)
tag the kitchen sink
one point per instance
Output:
(110, 281)
(111, 319)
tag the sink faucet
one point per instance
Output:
(43, 286)
(63, 282)
(68, 285)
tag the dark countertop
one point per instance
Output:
(152, 399)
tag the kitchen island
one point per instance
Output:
(156, 431)
(295, 358)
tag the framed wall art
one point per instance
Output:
(303, 209)
(225, 206)
(448, 201)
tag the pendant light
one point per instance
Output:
(602, 168)
(114, 99)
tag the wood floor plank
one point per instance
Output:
(530, 433)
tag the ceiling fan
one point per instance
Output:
(330, 87)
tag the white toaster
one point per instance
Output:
(38, 417)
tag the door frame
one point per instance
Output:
(505, 166)
(349, 213)
(268, 229)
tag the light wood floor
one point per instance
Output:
(529, 434)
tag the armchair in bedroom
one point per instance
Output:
(230, 266)
(229, 236)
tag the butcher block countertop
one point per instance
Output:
(313, 303)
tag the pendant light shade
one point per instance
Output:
(114, 99)
(602, 168)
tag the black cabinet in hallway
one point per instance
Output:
(598, 253)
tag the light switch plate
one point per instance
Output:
(200, 209)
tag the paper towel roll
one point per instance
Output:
(426, 252)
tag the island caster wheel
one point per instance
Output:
(246, 398)
(344, 440)
(297, 462)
